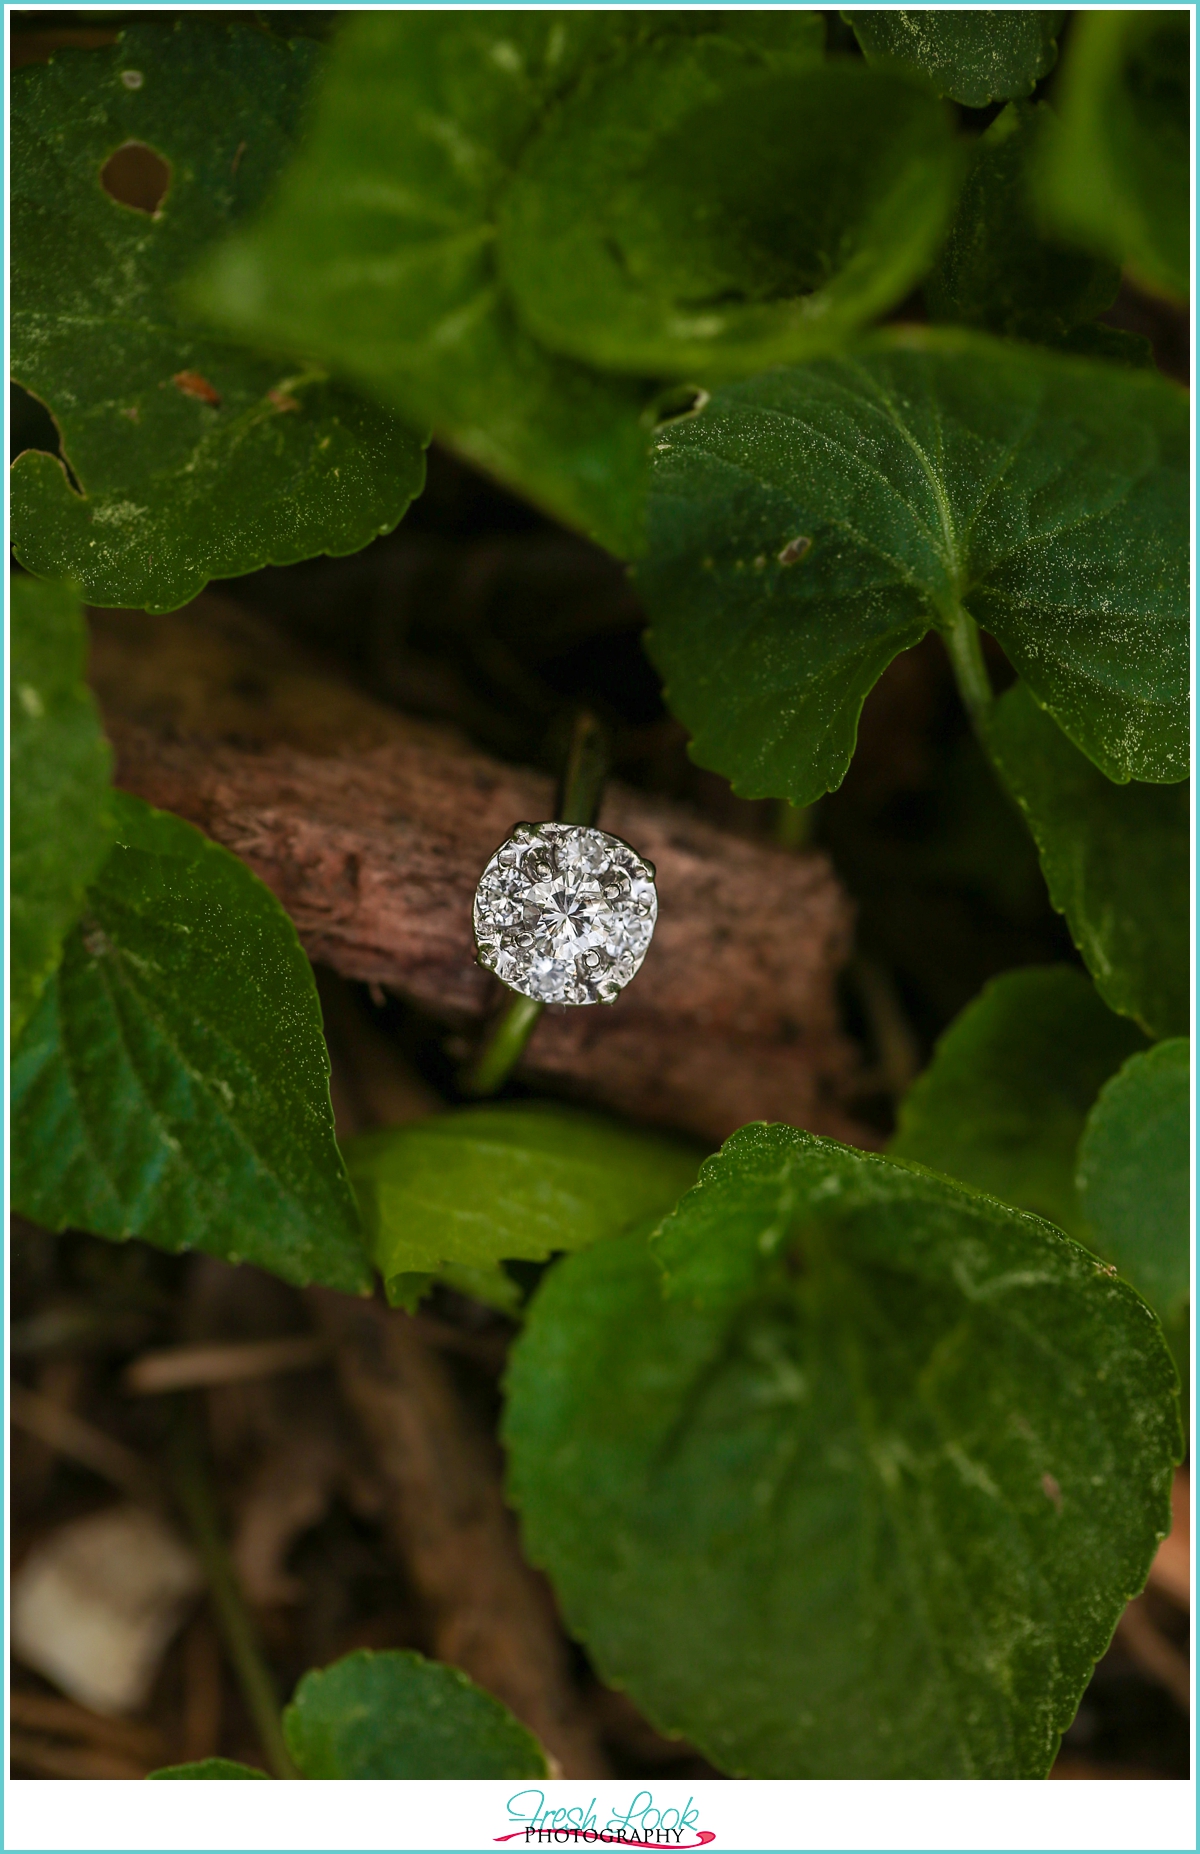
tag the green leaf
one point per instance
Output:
(212, 1768)
(692, 213)
(1134, 1174)
(396, 1715)
(810, 523)
(911, 1448)
(1117, 175)
(379, 253)
(195, 459)
(482, 1185)
(1115, 858)
(997, 269)
(60, 766)
(973, 57)
(1002, 1105)
(173, 1083)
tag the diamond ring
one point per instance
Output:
(564, 913)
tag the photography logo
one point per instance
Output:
(643, 1823)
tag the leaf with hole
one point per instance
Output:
(61, 817)
(210, 1769)
(1134, 1174)
(190, 459)
(482, 1185)
(911, 1447)
(1115, 858)
(173, 1082)
(974, 57)
(997, 269)
(810, 523)
(737, 215)
(1117, 175)
(396, 1716)
(1003, 1103)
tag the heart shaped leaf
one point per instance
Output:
(398, 1716)
(1115, 859)
(1117, 177)
(735, 216)
(482, 1185)
(912, 1448)
(1134, 1182)
(60, 766)
(1003, 1103)
(190, 459)
(173, 1083)
(808, 524)
(999, 271)
(974, 57)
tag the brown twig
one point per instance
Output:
(1155, 1654)
(490, 1614)
(46, 1758)
(81, 1441)
(62, 1718)
(188, 1367)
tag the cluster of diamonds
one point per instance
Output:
(564, 914)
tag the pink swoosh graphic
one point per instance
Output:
(704, 1836)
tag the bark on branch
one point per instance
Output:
(372, 829)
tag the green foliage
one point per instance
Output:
(211, 1768)
(411, 258)
(1134, 1174)
(173, 1083)
(974, 57)
(1115, 858)
(693, 214)
(810, 523)
(195, 459)
(867, 1494)
(60, 761)
(1002, 1105)
(395, 1715)
(470, 1189)
(999, 272)
(1117, 176)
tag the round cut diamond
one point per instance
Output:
(564, 913)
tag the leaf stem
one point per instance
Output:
(193, 1489)
(579, 794)
(965, 651)
(505, 1045)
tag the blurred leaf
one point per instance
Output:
(173, 1083)
(974, 57)
(395, 1715)
(481, 1185)
(1116, 176)
(810, 523)
(379, 253)
(208, 1767)
(693, 214)
(60, 766)
(195, 459)
(997, 270)
(1134, 1174)
(912, 1448)
(1002, 1104)
(1115, 858)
